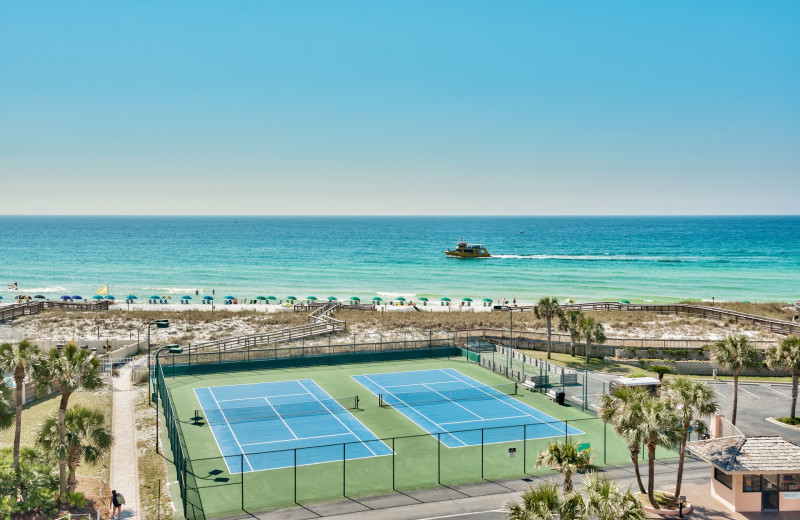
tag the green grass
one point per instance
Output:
(793, 421)
(419, 460)
(34, 413)
(595, 364)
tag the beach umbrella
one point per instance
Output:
(569, 300)
(331, 298)
(154, 297)
(109, 297)
(624, 301)
(230, 297)
(97, 297)
(165, 297)
(208, 298)
(377, 299)
(262, 298)
(355, 298)
(40, 297)
(271, 298)
(291, 298)
(186, 297)
(132, 297)
(445, 299)
(400, 299)
(423, 299)
(311, 298)
(66, 297)
(1, 297)
(76, 297)
(466, 299)
(488, 300)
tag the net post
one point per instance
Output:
(566, 428)
(357, 408)
(242, 483)
(525, 448)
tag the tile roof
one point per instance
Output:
(763, 453)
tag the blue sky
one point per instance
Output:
(258, 107)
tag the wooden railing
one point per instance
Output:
(8, 312)
(771, 324)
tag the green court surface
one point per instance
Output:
(417, 460)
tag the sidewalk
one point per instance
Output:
(124, 454)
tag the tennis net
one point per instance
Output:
(240, 414)
(396, 399)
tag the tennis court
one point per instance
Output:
(464, 411)
(259, 425)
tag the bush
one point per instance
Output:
(75, 499)
(789, 420)
(38, 485)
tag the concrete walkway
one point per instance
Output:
(124, 454)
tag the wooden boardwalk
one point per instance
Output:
(8, 312)
(717, 313)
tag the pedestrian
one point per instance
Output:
(196, 292)
(116, 504)
(515, 301)
(213, 291)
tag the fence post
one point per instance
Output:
(605, 430)
(242, 466)
(566, 428)
(344, 469)
(295, 476)
(393, 453)
(481, 452)
(184, 481)
(439, 458)
(525, 448)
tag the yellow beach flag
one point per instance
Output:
(103, 289)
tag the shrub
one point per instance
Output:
(794, 421)
(37, 483)
(75, 499)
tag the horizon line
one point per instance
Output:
(418, 215)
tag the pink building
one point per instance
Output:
(748, 474)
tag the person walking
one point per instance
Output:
(116, 504)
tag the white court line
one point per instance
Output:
(336, 416)
(257, 397)
(280, 417)
(213, 434)
(492, 419)
(781, 393)
(408, 405)
(454, 402)
(423, 384)
(231, 429)
(304, 438)
(504, 401)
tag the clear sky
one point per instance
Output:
(379, 107)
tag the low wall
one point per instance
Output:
(698, 368)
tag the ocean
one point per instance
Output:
(640, 259)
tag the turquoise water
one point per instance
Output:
(586, 258)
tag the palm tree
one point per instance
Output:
(545, 502)
(17, 359)
(68, 369)
(693, 401)
(592, 330)
(659, 426)
(568, 323)
(788, 357)
(606, 500)
(623, 409)
(566, 458)
(547, 309)
(85, 438)
(6, 408)
(734, 353)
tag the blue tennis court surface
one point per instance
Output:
(251, 419)
(445, 400)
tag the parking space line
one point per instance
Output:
(746, 391)
(781, 393)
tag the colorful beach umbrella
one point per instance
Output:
(230, 297)
(624, 301)
(154, 297)
(400, 299)
(377, 299)
(466, 299)
(186, 297)
(569, 300)
(445, 299)
(109, 297)
(271, 298)
(291, 298)
(132, 297)
(262, 298)
(423, 299)
(66, 297)
(311, 298)
(166, 297)
(331, 298)
(1, 297)
(488, 300)
(208, 298)
(355, 299)
(76, 297)
(97, 297)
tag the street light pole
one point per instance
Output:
(174, 349)
(160, 324)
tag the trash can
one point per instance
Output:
(560, 396)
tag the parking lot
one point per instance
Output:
(756, 402)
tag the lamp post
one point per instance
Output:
(160, 324)
(173, 349)
(682, 500)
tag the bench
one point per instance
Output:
(551, 394)
(569, 378)
(530, 385)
